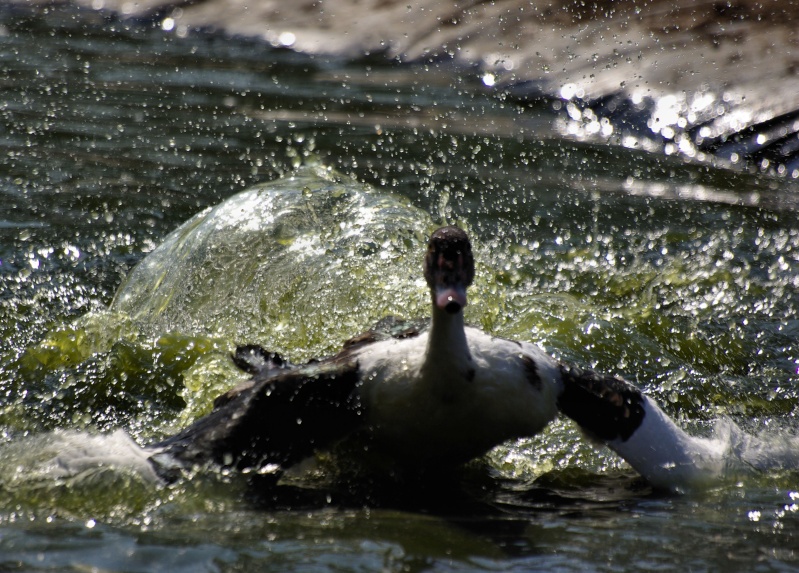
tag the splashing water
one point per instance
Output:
(298, 264)
(290, 264)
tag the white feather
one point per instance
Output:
(428, 402)
(671, 459)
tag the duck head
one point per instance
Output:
(449, 268)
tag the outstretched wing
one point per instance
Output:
(280, 418)
(284, 412)
(615, 412)
(604, 406)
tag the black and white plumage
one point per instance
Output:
(441, 395)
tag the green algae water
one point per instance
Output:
(132, 165)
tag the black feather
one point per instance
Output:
(279, 418)
(604, 406)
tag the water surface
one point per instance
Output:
(679, 275)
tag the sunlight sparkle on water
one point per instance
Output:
(287, 39)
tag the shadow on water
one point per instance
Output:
(474, 500)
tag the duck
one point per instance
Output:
(438, 394)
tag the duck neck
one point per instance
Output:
(447, 347)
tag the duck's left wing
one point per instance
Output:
(284, 412)
(279, 418)
(619, 415)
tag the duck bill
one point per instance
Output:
(450, 298)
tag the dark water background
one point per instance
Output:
(683, 276)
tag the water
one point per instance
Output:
(682, 276)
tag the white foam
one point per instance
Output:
(81, 452)
(764, 452)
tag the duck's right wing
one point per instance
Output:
(619, 415)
